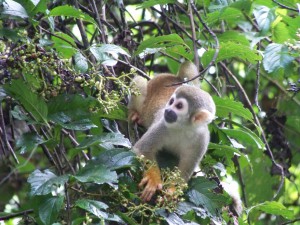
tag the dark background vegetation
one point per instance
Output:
(65, 70)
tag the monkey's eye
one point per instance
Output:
(179, 105)
(171, 101)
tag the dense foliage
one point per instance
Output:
(65, 71)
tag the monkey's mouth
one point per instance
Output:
(170, 116)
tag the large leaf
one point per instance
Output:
(49, 208)
(97, 208)
(107, 54)
(230, 50)
(64, 44)
(227, 106)
(67, 10)
(72, 111)
(28, 142)
(275, 208)
(33, 6)
(116, 159)
(201, 195)
(244, 136)
(14, 9)
(161, 42)
(107, 138)
(95, 173)
(43, 183)
(264, 17)
(276, 56)
(80, 62)
(28, 99)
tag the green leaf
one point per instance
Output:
(81, 63)
(106, 138)
(231, 15)
(276, 56)
(264, 17)
(201, 194)
(233, 36)
(28, 142)
(64, 44)
(226, 106)
(33, 6)
(95, 173)
(227, 152)
(281, 33)
(275, 208)
(107, 54)
(67, 10)
(150, 3)
(72, 111)
(43, 183)
(230, 50)
(28, 99)
(116, 159)
(14, 9)
(49, 208)
(161, 42)
(244, 136)
(97, 208)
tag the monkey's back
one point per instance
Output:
(159, 90)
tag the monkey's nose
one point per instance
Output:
(170, 116)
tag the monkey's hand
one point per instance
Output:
(152, 180)
(134, 117)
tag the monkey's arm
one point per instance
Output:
(148, 146)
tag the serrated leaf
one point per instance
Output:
(227, 14)
(67, 10)
(43, 183)
(226, 106)
(264, 17)
(28, 99)
(97, 208)
(81, 63)
(150, 3)
(12, 8)
(276, 56)
(161, 42)
(233, 36)
(95, 173)
(107, 54)
(275, 208)
(72, 111)
(106, 138)
(64, 44)
(78, 124)
(230, 50)
(28, 142)
(201, 194)
(49, 208)
(116, 159)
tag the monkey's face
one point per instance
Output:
(176, 111)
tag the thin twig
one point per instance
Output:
(257, 82)
(285, 7)
(14, 215)
(196, 57)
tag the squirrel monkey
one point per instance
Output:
(176, 119)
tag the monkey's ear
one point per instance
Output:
(202, 116)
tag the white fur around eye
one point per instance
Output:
(180, 106)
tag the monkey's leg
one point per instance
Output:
(152, 180)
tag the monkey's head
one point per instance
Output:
(189, 105)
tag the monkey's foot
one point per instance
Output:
(152, 180)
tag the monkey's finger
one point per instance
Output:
(148, 193)
(159, 186)
(143, 182)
